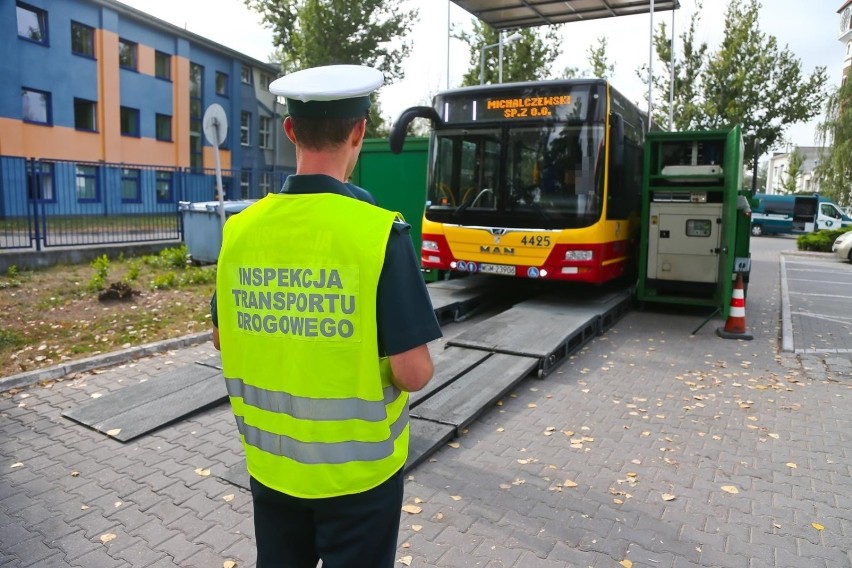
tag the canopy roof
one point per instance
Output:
(510, 14)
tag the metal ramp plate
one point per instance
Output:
(547, 328)
(138, 409)
(452, 299)
(470, 395)
(237, 475)
(449, 363)
(426, 438)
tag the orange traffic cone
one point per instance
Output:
(735, 326)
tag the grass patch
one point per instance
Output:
(51, 316)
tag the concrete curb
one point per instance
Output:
(786, 317)
(100, 361)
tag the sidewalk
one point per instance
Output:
(649, 446)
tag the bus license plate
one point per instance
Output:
(497, 269)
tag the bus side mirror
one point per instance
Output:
(400, 127)
(616, 138)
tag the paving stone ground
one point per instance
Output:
(651, 445)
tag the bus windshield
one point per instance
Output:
(521, 175)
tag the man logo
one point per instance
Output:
(485, 249)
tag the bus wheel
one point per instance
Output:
(756, 230)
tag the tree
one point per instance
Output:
(687, 76)
(309, 33)
(749, 81)
(528, 59)
(789, 179)
(602, 67)
(835, 135)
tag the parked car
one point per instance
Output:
(842, 246)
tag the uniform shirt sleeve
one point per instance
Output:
(404, 310)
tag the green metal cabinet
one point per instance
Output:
(397, 181)
(695, 219)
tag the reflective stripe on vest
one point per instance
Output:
(322, 452)
(313, 408)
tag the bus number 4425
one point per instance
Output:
(535, 241)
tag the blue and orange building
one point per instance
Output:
(89, 84)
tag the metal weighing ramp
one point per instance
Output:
(138, 409)
(455, 299)
(546, 328)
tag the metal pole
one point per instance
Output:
(651, 68)
(482, 65)
(448, 45)
(754, 171)
(500, 56)
(672, 75)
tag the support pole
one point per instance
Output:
(672, 75)
(651, 68)
(500, 57)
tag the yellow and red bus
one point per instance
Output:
(532, 180)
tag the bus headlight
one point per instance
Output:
(430, 245)
(579, 254)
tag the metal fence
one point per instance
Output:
(55, 203)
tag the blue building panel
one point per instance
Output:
(52, 68)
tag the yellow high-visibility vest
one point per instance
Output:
(296, 297)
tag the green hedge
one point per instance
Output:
(820, 241)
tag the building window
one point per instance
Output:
(265, 183)
(163, 127)
(245, 75)
(221, 84)
(264, 130)
(129, 121)
(196, 95)
(35, 106)
(130, 186)
(86, 183)
(127, 54)
(163, 65)
(32, 23)
(245, 128)
(245, 184)
(82, 40)
(196, 80)
(265, 80)
(84, 115)
(164, 183)
(41, 187)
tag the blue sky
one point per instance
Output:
(811, 33)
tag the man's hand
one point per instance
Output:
(216, 337)
(412, 369)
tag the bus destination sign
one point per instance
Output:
(523, 107)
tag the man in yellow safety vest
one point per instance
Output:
(323, 320)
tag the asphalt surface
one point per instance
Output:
(651, 447)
